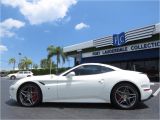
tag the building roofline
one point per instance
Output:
(152, 29)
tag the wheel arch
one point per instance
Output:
(128, 83)
(13, 76)
(29, 82)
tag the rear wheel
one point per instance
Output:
(13, 77)
(29, 95)
(125, 96)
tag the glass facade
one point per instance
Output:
(148, 66)
(146, 61)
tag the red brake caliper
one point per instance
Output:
(118, 97)
(34, 94)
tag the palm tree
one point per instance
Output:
(45, 64)
(24, 63)
(58, 52)
(12, 61)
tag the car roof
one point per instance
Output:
(100, 64)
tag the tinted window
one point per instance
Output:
(26, 72)
(20, 72)
(91, 69)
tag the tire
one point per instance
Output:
(29, 76)
(125, 96)
(29, 95)
(13, 77)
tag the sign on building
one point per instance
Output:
(119, 39)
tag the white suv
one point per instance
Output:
(20, 74)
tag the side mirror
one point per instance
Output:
(70, 75)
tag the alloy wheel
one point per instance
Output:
(125, 96)
(29, 95)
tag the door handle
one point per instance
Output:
(101, 81)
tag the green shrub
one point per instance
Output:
(42, 71)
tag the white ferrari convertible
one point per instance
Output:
(85, 83)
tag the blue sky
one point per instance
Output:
(35, 32)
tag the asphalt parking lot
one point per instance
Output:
(11, 110)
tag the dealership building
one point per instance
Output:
(136, 49)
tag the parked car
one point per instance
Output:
(20, 74)
(85, 83)
(3, 73)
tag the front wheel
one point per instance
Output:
(125, 96)
(29, 95)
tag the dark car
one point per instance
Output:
(3, 73)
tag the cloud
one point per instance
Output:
(81, 26)
(12, 23)
(3, 48)
(41, 11)
(7, 26)
(46, 31)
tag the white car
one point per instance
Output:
(20, 74)
(85, 83)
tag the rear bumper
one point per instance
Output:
(148, 98)
(146, 95)
(151, 94)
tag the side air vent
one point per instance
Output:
(41, 83)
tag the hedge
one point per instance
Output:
(43, 71)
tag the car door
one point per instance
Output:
(26, 73)
(20, 74)
(86, 86)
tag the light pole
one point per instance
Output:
(19, 59)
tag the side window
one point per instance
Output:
(94, 69)
(26, 72)
(90, 70)
(86, 70)
(105, 69)
(20, 72)
(79, 71)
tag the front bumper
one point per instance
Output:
(12, 92)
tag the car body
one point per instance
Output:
(85, 83)
(20, 74)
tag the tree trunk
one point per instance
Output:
(50, 66)
(57, 67)
(13, 66)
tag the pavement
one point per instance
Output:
(11, 110)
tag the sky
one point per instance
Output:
(30, 26)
